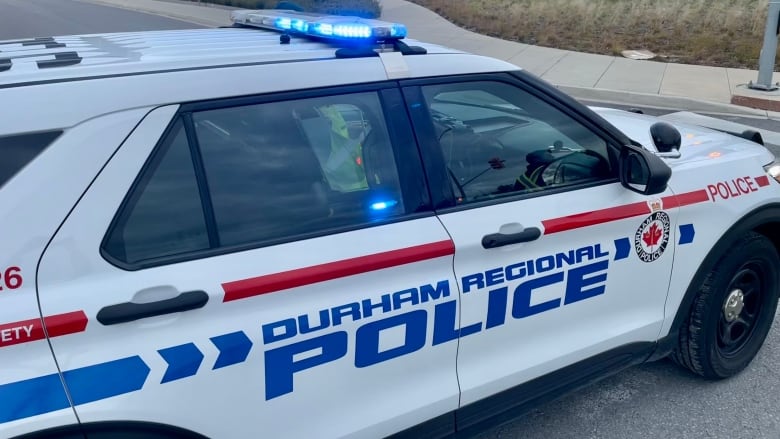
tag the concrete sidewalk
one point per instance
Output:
(585, 76)
(597, 77)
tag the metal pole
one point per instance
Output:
(766, 63)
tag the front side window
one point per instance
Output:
(272, 172)
(498, 140)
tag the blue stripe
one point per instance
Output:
(233, 348)
(45, 394)
(183, 361)
(622, 248)
(32, 397)
(687, 232)
(105, 380)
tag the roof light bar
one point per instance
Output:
(331, 27)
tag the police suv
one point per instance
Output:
(307, 226)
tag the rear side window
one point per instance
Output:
(19, 150)
(283, 169)
(164, 215)
(262, 174)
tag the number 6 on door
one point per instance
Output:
(11, 278)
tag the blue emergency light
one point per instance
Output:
(330, 27)
(383, 205)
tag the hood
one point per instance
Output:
(698, 142)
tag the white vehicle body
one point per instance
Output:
(403, 322)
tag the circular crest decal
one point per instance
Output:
(652, 237)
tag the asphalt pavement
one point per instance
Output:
(657, 400)
(46, 18)
(661, 400)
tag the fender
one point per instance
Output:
(764, 220)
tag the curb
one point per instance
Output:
(755, 102)
(660, 101)
(760, 99)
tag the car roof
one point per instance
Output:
(51, 59)
(67, 80)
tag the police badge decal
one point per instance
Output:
(652, 237)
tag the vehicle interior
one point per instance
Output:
(493, 147)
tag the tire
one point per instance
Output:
(718, 340)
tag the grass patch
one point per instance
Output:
(361, 8)
(726, 33)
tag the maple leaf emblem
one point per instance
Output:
(652, 235)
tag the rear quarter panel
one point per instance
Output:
(32, 206)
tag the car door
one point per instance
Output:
(556, 261)
(265, 264)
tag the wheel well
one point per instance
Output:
(772, 231)
(114, 430)
(764, 220)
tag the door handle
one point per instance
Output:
(129, 311)
(501, 239)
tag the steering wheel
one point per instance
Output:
(475, 154)
(572, 167)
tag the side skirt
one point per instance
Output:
(512, 403)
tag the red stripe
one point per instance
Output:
(31, 330)
(762, 181)
(64, 324)
(602, 216)
(686, 199)
(334, 270)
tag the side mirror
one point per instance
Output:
(665, 137)
(642, 172)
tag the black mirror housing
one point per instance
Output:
(642, 171)
(665, 137)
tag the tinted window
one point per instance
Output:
(285, 169)
(273, 172)
(17, 151)
(164, 214)
(498, 140)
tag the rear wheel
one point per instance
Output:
(733, 310)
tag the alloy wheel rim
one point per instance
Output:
(740, 310)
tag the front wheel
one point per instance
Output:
(733, 310)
